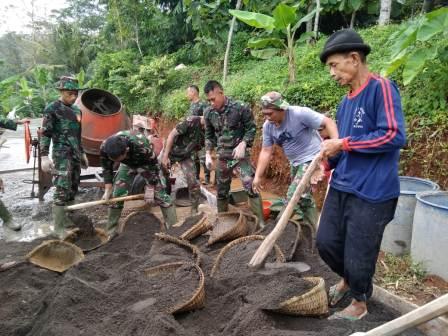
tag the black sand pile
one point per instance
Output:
(235, 261)
(108, 293)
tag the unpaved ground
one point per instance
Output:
(107, 294)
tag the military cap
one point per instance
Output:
(68, 83)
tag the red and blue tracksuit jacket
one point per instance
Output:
(371, 123)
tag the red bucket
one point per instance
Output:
(266, 209)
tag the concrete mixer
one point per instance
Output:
(102, 116)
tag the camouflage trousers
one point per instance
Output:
(66, 177)
(124, 179)
(224, 172)
(306, 202)
(189, 170)
(199, 160)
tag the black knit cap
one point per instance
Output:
(344, 40)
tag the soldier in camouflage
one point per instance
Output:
(4, 213)
(12, 124)
(230, 128)
(62, 126)
(136, 156)
(197, 108)
(186, 139)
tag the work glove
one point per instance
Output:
(107, 191)
(239, 151)
(149, 194)
(46, 164)
(208, 161)
(84, 161)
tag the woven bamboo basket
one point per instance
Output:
(291, 253)
(197, 299)
(123, 223)
(312, 303)
(55, 255)
(100, 233)
(278, 252)
(196, 230)
(181, 243)
(252, 228)
(132, 206)
(221, 230)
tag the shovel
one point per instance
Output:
(268, 243)
(101, 202)
(418, 316)
(54, 255)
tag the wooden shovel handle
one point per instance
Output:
(100, 202)
(268, 243)
(418, 316)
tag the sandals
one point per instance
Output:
(343, 316)
(335, 296)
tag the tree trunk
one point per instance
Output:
(137, 40)
(316, 19)
(428, 6)
(229, 43)
(291, 57)
(309, 24)
(385, 9)
(352, 20)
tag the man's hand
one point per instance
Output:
(84, 161)
(46, 164)
(331, 147)
(149, 194)
(107, 191)
(256, 184)
(2, 186)
(239, 151)
(166, 162)
(208, 161)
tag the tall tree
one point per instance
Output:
(229, 42)
(385, 10)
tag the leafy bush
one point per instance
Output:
(175, 105)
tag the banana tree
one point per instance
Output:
(279, 33)
(413, 45)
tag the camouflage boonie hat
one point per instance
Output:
(68, 83)
(274, 100)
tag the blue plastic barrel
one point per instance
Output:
(398, 233)
(430, 232)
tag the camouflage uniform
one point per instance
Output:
(142, 160)
(8, 124)
(62, 125)
(306, 208)
(225, 129)
(197, 109)
(187, 143)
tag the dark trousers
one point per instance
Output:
(349, 238)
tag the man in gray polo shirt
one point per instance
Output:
(295, 129)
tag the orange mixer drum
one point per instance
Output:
(102, 116)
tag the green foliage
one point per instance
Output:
(283, 23)
(28, 94)
(175, 104)
(419, 55)
(414, 46)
